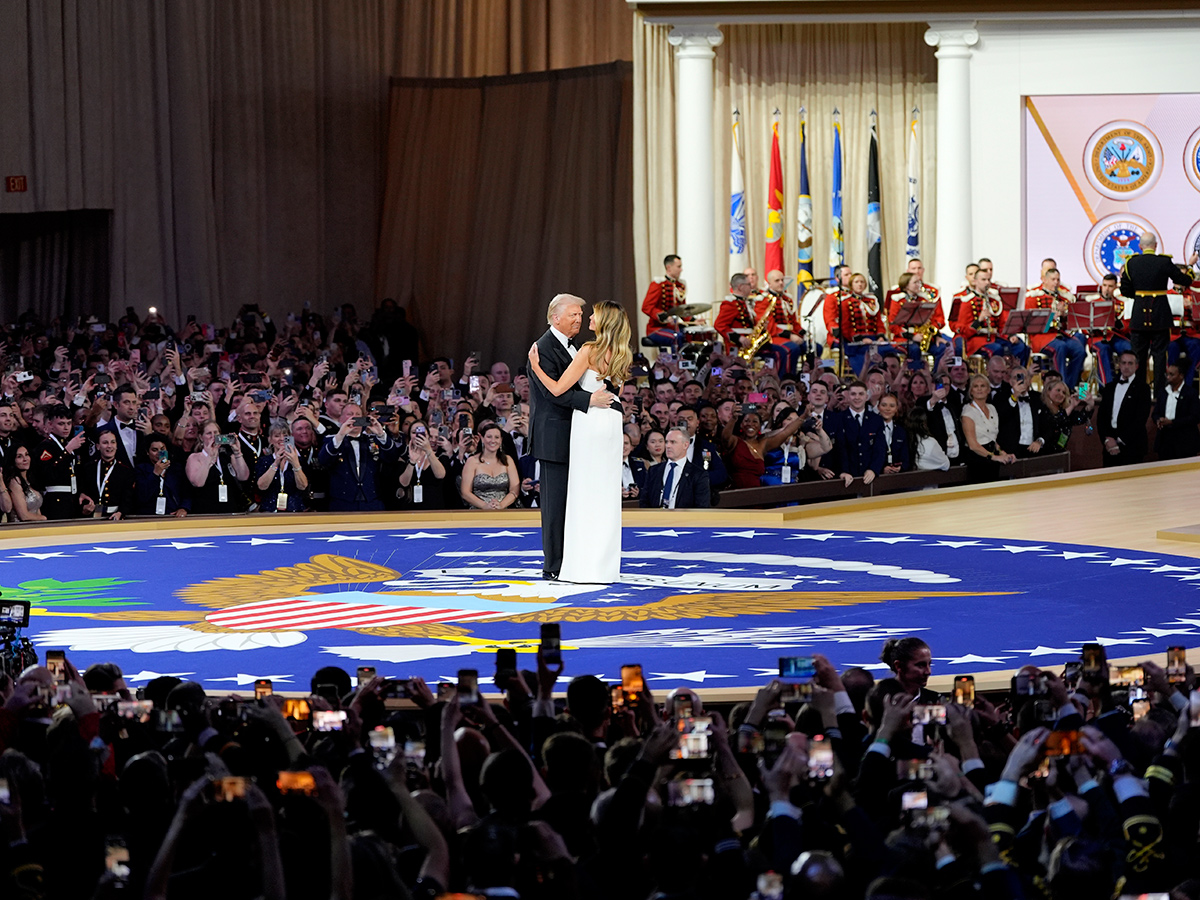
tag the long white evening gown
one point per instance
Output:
(592, 532)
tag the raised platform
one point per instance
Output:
(991, 577)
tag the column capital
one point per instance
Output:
(695, 41)
(952, 38)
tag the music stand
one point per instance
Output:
(1027, 321)
(1085, 315)
(1009, 297)
(912, 314)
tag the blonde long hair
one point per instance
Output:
(610, 350)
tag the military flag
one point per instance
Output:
(913, 249)
(837, 246)
(804, 211)
(774, 254)
(874, 219)
(737, 204)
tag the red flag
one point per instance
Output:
(774, 257)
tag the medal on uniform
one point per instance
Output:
(281, 502)
(160, 506)
(222, 493)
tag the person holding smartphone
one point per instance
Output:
(423, 472)
(353, 457)
(1063, 409)
(281, 480)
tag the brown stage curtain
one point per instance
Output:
(502, 192)
(476, 38)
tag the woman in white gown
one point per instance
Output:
(592, 532)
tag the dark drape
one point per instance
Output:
(502, 192)
(55, 263)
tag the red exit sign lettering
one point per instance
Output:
(16, 184)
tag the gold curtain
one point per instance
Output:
(473, 38)
(759, 68)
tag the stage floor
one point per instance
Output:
(992, 578)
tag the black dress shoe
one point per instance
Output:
(549, 576)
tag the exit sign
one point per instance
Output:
(16, 184)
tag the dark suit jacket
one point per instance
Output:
(550, 416)
(1131, 421)
(1010, 420)
(717, 474)
(119, 491)
(694, 490)
(350, 489)
(859, 448)
(638, 467)
(901, 451)
(1150, 272)
(1182, 437)
(111, 425)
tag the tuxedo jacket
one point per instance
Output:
(550, 416)
(1131, 420)
(694, 490)
(112, 425)
(638, 467)
(860, 447)
(1010, 420)
(1182, 437)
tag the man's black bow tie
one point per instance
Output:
(1123, 381)
(128, 425)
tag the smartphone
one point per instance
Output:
(468, 686)
(820, 758)
(690, 792)
(296, 783)
(1081, 391)
(135, 710)
(328, 719)
(506, 666)
(774, 737)
(797, 673)
(297, 708)
(964, 690)
(226, 790)
(473, 383)
(365, 674)
(1194, 707)
(932, 714)
(1176, 665)
(758, 399)
(911, 800)
(1093, 662)
(633, 685)
(1072, 672)
(914, 769)
(1063, 743)
(56, 662)
(5, 793)
(1126, 676)
(551, 647)
(263, 688)
(362, 421)
(394, 689)
(695, 733)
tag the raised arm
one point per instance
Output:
(570, 377)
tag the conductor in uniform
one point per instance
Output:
(1144, 281)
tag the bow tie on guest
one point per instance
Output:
(128, 425)
(1123, 381)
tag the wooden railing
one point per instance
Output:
(836, 489)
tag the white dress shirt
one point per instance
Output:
(564, 340)
(1119, 393)
(669, 502)
(1172, 401)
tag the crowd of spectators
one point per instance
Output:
(827, 785)
(138, 419)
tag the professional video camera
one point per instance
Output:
(16, 653)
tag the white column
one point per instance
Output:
(695, 201)
(955, 247)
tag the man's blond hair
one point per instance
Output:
(560, 302)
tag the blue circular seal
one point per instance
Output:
(1122, 160)
(1111, 242)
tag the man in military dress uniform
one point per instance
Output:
(1144, 281)
(55, 466)
(785, 343)
(981, 318)
(665, 292)
(911, 287)
(737, 311)
(1113, 341)
(1068, 349)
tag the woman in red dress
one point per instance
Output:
(744, 446)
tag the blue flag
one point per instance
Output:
(837, 246)
(804, 211)
(874, 218)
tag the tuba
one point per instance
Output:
(759, 336)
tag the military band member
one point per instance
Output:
(981, 319)
(752, 276)
(860, 319)
(783, 326)
(55, 466)
(911, 287)
(665, 292)
(1047, 264)
(1069, 350)
(737, 311)
(1144, 281)
(1113, 341)
(833, 301)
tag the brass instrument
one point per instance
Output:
(924, 335)
(759, 335)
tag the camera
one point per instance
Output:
(797, 673)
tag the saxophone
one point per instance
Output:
(759, 335)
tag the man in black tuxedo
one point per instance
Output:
(1019, 409)
(1124, 409)
(550, 422)
(676, 483)
(123, 424)
(1144, 280)
(1176, 414)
